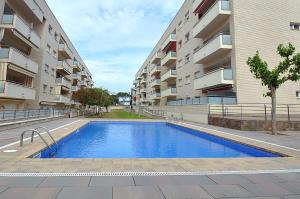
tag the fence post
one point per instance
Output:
(289, 116)
(3, 117)
(266, 116)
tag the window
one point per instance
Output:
(180, 64)
(53, 72)
(187, 79)
(179, 82)
(46, 68)
(179, 25)
(45, 88)
(48, 48)
(187, 37)
(187, 58)
(50, 29)
(298, 94)
(295, 26)
(56, 36)
(179, 44)
(187, 16)
(197, 74)
(51, 90)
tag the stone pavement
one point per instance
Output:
(254, 186)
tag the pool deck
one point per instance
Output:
(242, 178)
(18, 162)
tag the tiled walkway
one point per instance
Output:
(258, 186)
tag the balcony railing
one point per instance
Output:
(156, 58)
(171, 38)
(213, 48)
(156, 69)
(76, 76)
(169, 58)
(83, 84)
(35, 9)
(62, 99)
(16, 91)
(15, 22)
(203, 101)
(220, 77)
(170, 92)
(65, 66)
(171, 74)
(65, 51)
(155, 83)
(217, 14)
(84, 74)
(14, 56)
(76, 66)
(155, 96)
(75, 88)
(63, 82)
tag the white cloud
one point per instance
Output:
(114, 36)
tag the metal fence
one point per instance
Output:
(7, 115)
(285, 112)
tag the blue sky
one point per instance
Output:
(114, 37)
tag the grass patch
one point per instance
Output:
(121, 114)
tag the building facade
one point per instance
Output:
(201, 58)
(39, 66)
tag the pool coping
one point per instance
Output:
(14, 163)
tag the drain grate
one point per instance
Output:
(81, 174)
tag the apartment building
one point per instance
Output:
(39, 66)
(201, 57)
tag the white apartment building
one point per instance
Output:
(39, 66)
(201, 58)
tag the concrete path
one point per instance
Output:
(262, 186)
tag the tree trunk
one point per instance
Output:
(274, 121)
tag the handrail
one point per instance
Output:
(49, 134)
(32, 134)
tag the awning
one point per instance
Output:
(203, 6)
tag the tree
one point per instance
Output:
(287, 70)
(123, 97)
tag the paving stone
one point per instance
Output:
(30, 193)
(86, 193)
(192, 180)
(292, 197)
(229, 179)
(138, 192)
(188, 191)
(262, 178)
(21, 181)
(258, 198)
(288, 177)
(154, 180)
(112, 181)
(293, 187)
(66, 182)
(222, 191)
(266, 189)
(2, 189)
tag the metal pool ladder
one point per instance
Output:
(36, 131)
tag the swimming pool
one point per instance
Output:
(147, 140)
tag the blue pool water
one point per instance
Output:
(147, 140)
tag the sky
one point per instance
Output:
(114, 37)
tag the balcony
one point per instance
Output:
(155, 96)
(217, 15)
(170, 75)
(35, 9)
(143, 100)
(84, 74)
(155, 70)
(83, 84)
(155, 83)
(156, 58)
(213, 49)
(143, 90)
(15, 57)
(21, 29)
(64, 51)
(75, 88)
(62, 99)
(171, 38)
(76, 66)
(169, 59)
(169, 92)
(144, 72)
(143, 81)
(63, 82)
(16, 91)
(76, 76)
(64, 68)
(218, 78)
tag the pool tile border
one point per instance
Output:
(14, 163)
